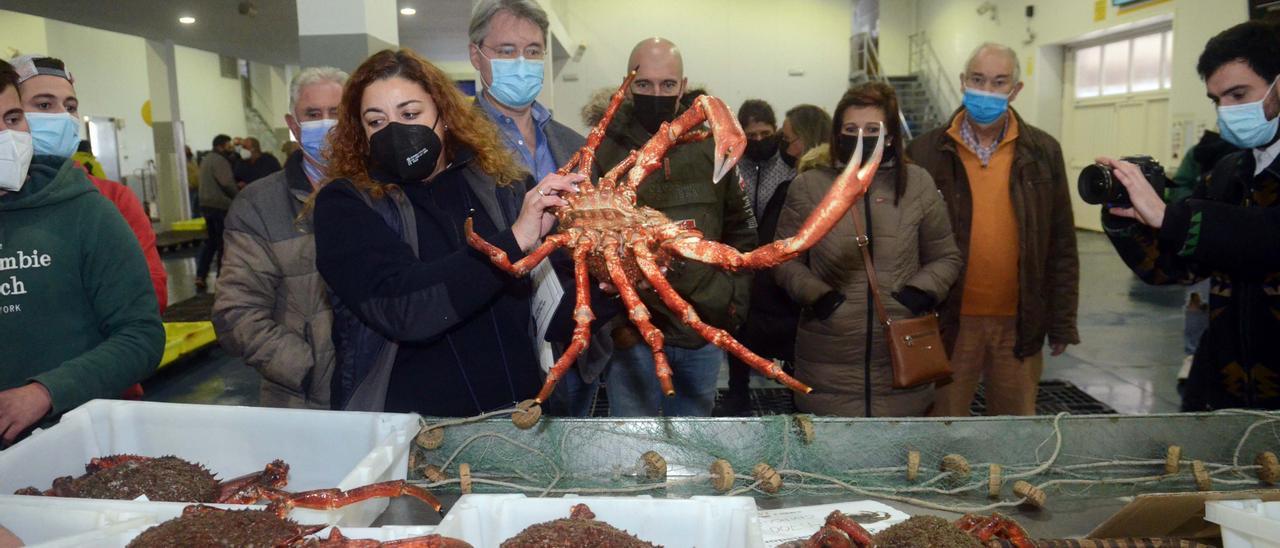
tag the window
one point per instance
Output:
(1129, 65)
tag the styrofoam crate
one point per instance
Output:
(324, 449)
(1246, 523)
(38, 520)
(706, 522)
(119, 536)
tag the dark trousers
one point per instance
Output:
(214, 220)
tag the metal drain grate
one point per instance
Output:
(1054, 397)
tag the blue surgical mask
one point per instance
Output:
(985, 107)
(516, 82)
(313, 140)
(1246, 125)
(54, 134)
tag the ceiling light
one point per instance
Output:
(407, 11)
(187, 19)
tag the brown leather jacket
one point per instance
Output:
(1048, 266)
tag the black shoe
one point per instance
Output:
(733, 404)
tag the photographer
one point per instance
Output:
(1228, 230)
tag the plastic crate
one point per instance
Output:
(38, 520)
(188, 225)
(1246, 523)
(324, 449)
(706, 522)
(119, 536)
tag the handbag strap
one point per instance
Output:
(863, 239)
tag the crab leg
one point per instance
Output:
(851, 185)
(639, 315)
(845, 524)
(585, 158)
(246, 489)
(582, 317)
(329, 499)
(500, 259)
(722, 339)
(730, 141)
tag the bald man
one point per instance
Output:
(684, 191)
(1006, 189)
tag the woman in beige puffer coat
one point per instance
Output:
(840, 343)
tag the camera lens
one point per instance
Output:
(1095, 184)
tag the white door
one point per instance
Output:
(1115, 103)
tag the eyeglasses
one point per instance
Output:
(507, 51)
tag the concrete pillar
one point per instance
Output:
(166, 128)
(343, 33)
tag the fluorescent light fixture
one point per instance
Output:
(187, 20)
(407, 11)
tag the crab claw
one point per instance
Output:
(730, 141)
(864, 171)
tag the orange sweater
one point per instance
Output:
(991, 279)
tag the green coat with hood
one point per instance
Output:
(683, 191)
(78, 313)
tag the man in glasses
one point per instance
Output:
(509, 48)
(1006, 189)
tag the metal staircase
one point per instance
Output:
(926, 95)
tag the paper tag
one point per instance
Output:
(547, 293)
(801, 522)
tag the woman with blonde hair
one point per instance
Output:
(422, 322)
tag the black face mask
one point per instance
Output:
(760, 150)
(404, 153)
(846, 143)
(786, 157)
(653, 110)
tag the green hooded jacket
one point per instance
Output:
(78, 313)
(683, 191)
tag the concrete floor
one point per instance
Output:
(1129, 357)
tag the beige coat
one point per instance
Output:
(912, 244)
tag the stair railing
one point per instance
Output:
(866, 62)
(940, 86)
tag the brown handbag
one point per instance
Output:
(915, 344)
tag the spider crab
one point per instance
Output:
(581, 528)
(841, 531)
(201, 525)
(167, 478)
(612, 239)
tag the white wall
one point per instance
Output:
(209, 103)
(111, 80)
(21, 34)
(738, 49)
(955, 28)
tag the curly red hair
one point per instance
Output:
(466, 126)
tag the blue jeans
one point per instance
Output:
(574, 397)
(634, 390)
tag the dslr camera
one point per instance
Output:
(1098, 185)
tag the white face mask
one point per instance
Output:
(15, 159)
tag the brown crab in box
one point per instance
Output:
(167, 478)
(615, 240)
(201, 525)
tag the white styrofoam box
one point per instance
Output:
(706, 522)
(119, 535)
(1246, 523)
(38, 520)
(324, 449)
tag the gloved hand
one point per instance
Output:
(915, 299)
(826, 304)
